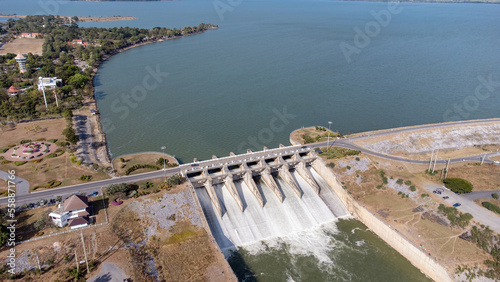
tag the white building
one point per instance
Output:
(73, 212)
(49, 83)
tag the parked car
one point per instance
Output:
(95, 194)
(457, 205)
(445, 197)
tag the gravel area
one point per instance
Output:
(450, 138)
(361, 165)
(181, 205)
(403, 188)
(24, 262)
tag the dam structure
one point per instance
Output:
(261, 195)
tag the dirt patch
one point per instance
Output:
(23, 46)
(166, 237)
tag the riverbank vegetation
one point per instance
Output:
(70, 53)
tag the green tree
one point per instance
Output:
(78, 80)
(70, 135)
(4, 234)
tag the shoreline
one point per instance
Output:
(93, 102)
(82, 19)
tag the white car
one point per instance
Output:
(496, 162)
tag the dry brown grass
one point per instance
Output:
(23, 45)
(58, 168)
(440, 241)
(49, 129)
(485, 177)
(141, 158)
(296, 135)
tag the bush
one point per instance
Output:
(52, 140)
(492, 207)
(51, 155)
(332, 165)
(385, 180)
(117, 188)
(408, 182)
(412, 188)
(85, 177)
(25, 141)
(454, 216)
(458, 185)
(3, 150)
(174, 180)
(62, 143)
(424, 195)
(348, 167)
(18, 163)
(79, 162)
(122, 160)
(400, 181)
(495, 196)
(139, 166)
(358, 159)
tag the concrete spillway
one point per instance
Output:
(284, 173)
(269, 180)
(275, 218)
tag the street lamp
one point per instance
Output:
(163, 151)
(328, 142)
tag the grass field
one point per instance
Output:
(23, 46)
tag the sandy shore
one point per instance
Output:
(82, 19)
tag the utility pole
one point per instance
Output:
(38, 260)
(84, 251)
(44, 98)
(55, 95)
(430, 163)
(435, 160)
(163, 151)
(447, 165)
(76, 260)
(328, 142)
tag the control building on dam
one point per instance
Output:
(258, 195)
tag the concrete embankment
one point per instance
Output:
(391, 236)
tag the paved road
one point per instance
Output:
(479, 194)
(88, 188)
(21, 184)
(109, 273)
(479, 213)
(345, 142)
(85, 149)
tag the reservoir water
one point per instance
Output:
(274, 66)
